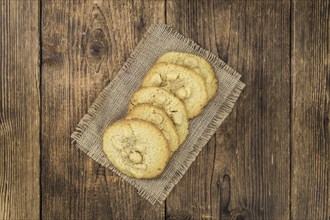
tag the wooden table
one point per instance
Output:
(269, 160)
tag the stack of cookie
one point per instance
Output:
(174, 90)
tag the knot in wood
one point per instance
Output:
(97, 48)
(97, 45)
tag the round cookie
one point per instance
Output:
(168, 102)
(137, 148)
(183, 82)
(160, 119)
(196, 63)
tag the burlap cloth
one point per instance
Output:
(112, 103)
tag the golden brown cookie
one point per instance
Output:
(186, 84)
(158, 117)
(137, 148)
(196, 63)
(172, 105)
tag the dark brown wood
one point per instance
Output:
(310, 110)
(19, 110)
(263, 113)
(84, 45)
(269, 159)
(246, 174)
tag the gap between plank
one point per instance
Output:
(40, 107)
(165, 19)
(291, 104)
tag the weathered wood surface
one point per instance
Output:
(19, 110)
(84, 45)
(310, 196)
(269, 160)
(243, 172)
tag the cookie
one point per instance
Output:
(196, 63)
(168, 102)
(160, 119)
(183, 82)
(137, 148)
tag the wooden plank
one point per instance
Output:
(128, 33)
(263, 115)
(198, 194)
(85, 43)
(191, 198)
(310, 195)
(243, 172)
(19, 110)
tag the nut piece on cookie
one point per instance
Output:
(141, 148)
(177, 119)
(171, 76)
(135, 157)
(156, 80)
(182, 93)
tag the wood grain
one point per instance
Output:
(84, 44)
(244, 172)
(197, 195)
(19, 110)
(269, 160)
(310, 110)
(263, 113)
(129, 21)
